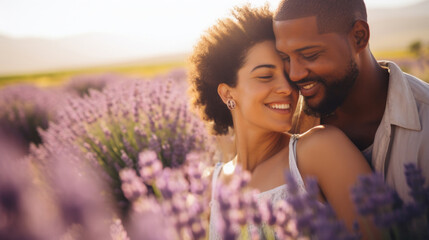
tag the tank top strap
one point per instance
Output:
(293, 167)
(216, 172)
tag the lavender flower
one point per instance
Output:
(82, 84)
(377, 201)
(243, 214)
(18, 196)
(416, 182)
(26, 108)
(419, 210)
(54, 200)
(117, 231)
(113, 128)
(77, 192)
(307, 217)
(150, 224)
(373, 198)
(132, 186)
(150, 166)
(236, 205)
(175, 203)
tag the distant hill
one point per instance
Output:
(29, 55)
(397, 27)
(390, 29)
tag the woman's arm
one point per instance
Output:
(326, 153)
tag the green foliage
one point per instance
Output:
(425, 76)
(416, 47)
(45, 79)
(393, 54)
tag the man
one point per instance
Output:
(385, 112)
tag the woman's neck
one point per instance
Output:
(254, 147)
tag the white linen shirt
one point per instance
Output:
(403, 134)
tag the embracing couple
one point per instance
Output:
(302, 91)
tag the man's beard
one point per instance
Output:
(336, 92)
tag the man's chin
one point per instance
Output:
(310, 111)
(311, 107)
(318, 111)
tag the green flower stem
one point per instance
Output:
(157, 192)
(268, 232)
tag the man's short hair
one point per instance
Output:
(332, 15)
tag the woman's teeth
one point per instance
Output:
(280, 106)
(308, 86)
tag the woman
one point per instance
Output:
(238, 80)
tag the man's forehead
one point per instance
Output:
(305, 25)
(300, 33)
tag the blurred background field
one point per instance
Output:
(48, 42)
(46, 79)
(412, 62)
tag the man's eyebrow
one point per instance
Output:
(263, 66)
(306, 48)
(299, 49)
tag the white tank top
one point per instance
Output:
(273, 195)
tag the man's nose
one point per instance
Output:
(296, 70)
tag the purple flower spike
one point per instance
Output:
(132, 186)
(117, 231)
(24, 109)
(416, 182)
(266, 210)
(150, 166)
(125, 116)
(307, 216)
(372, 196)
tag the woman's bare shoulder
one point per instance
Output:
(324, 145)
(321, 135)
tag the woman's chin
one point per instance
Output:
(283, 129)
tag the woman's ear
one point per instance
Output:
(224, 92)
(360, 35)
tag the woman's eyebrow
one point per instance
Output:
(263, 66)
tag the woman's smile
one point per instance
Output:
(280, 107)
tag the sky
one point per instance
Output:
(153, 19)
(40, 35)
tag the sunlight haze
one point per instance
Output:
(46, 35)
(149, 19)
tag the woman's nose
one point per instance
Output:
(284, 86)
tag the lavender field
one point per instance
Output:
(109, 156)
(414, 61)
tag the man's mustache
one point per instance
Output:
(304, 80)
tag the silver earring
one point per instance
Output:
(231, 104)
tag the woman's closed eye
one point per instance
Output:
(264, 72)
(266, 77)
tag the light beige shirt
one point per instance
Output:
(403, 134)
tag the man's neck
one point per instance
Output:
(369, 92)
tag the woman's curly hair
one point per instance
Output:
(218, 56)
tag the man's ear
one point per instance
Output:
(224, 92)
(360, 35)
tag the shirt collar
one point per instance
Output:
(401, 107)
